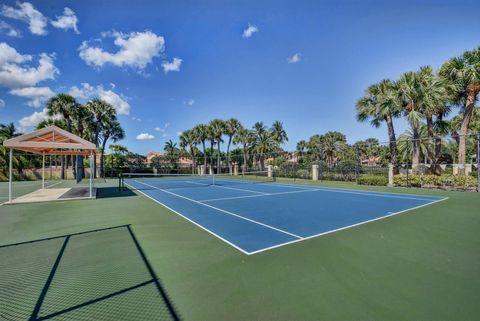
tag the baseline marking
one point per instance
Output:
(223, 211)
(264, 194)
(346, 227)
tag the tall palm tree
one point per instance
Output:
(218, 129)
(189, 139)
(436, 92)
(246, 138)
(171, 152)
(65, 106)
(102, 113)
(264, 144)
(278, 132)
(379, 105)
(404, 146)
(202, 133)
(232, 126)
(301, 147)
(464, 73)
(111, 129)
(411, 94)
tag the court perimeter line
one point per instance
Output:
(223, 211)
(350, 191)
(264, 194)
(233, 188)
(346, 227)
(186, 218)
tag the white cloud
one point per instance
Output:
(159, 129)
(34, 119)
(87, 91)
(172, 66)
(67, 21)
(190, 102)
(145, 136)
(2, 103)
(14, 73)
(179, 133)
(136, 50)
(9, 30)
(37, 95)
(137, 119)
(26, 12)
(295, 58)
(167, 125)
(251, 29)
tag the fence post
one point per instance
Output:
(390, 175)
(270, 170)
(408, 153)
(315, 172)
(235, 170)
(478, 162)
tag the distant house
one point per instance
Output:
(180, 161)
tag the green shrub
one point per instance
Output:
(378, 180)
(435, 181)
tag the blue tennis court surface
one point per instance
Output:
(254, 217)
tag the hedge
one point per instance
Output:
(435, 181)
(366, 179)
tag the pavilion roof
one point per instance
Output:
(51, 141)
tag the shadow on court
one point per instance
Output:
(113, 192)
(95, 275)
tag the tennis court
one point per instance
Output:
(254, 213)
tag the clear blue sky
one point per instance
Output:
(342, 46)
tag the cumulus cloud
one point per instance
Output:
(172, 66)
(249, 31)
(25, 11)
(137, 119)
(87, 91)
(163, 130)
(35, 118)
(15, 73)
(37, 95)
(295, 58)
(9, 30)
(145, 136)
(190, 102)
(136, 50)
(66, 21)
(2, 103)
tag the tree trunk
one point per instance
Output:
(438, 149)
(204, 154)
(228, 151)
(192, 153)
(462, 142)
(102, 158)
(245, 160)
(431, 145)
(219, 171)
(415, 149)
(392, 143)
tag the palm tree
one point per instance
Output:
(111, 129)
(171, 151)
(102, 113)
(404, 147)
(333, 144)
(301, 147)
(379, 105)
(246, 138)
(65, 106)
(436, 92)
(464, 73)
(232, 126)
(202, 133)
(411, 95)
(264, 144)
(278, 132)
(218, 129)
(18, 161)
(189, 139)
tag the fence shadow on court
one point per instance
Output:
(95, 275)
(113, 192)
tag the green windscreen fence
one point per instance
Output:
(97, 275)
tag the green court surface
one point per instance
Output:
(420, 265)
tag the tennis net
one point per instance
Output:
(146, 181)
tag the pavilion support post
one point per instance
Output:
(43, 170)
(10, 175)
(92, 169)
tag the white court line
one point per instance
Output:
(221, 210)
(349, 191)
(345, 227)
(232, 188)
(195, 223)
(265, 194)
(53, 184)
